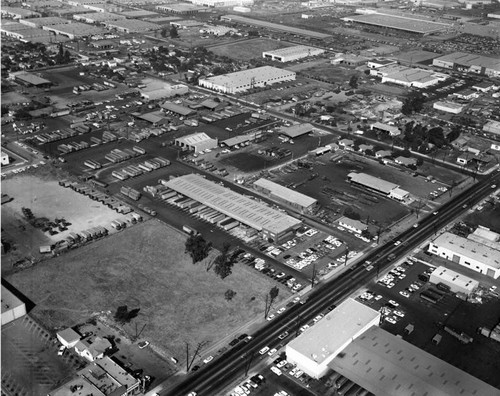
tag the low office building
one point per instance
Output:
(471, 254)
(448, 107)
(371, 182)
(92, 348)
(285, 195)
(399, 194)
(12, 307)
(104, 377)
(295, 131)
(246, 79)
(456, 282)
(387, 365)
(275, 226)
(290, 54)
(319, 345)
(198, 142)
(353, 225)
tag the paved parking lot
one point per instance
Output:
(30, 364)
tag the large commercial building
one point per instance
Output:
(197, 142)
(413, 77)
(132, 26)
(315, 349)
(167, 91)
(295, 131)
(246, 79)
(456, 282)
(448, 107)
(12, 307)
(285, 195)
(492, 126)
(406, 24)
(387, 365)
(74, 30)
(274, 225)
(469, 253)
(222, 3)
(471, 63)
(97, 17)
(290, 54)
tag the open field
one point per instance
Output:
(249, 49)
(47, 199)
(145, 267)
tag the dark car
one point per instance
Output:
(242, 337)
(195, 368)
(234, 342)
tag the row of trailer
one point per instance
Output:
(141, 168)
(117, 155)
(193, 207)
(219, 115)
(70, 147)
(60, 134)
(98, 196)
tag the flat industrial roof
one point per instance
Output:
(466, 59)
(285, 193)
(297, 130)
(100, 16)
(400, 23)
(297, 49)
(416, 56)
(45, 21)
(249, 76)
(451, 276)
(468, 248)
(9, 300)
(250, 212)
(76, 28)
(32, 79)
(387, 365)
(237, 140)
(275, 26)
(415, 75)
(372, 182)
(194, 138)
(331, 333)
(135, 25)
(174, 107)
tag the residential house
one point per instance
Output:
(383, 154)
(92, 350)
(363, 148)
(354, 225)
(406, 161)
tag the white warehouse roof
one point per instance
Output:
(372, 182)
(250, 212)
(468, 248)
(445, 275)
(385, 364)
(295, 50)
(250, 76)
(285, 193)
(327, 338)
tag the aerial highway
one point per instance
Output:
(213, 378)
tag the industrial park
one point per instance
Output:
(250, 197)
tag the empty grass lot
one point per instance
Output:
(248, 49)
(145, 267)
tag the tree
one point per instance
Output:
(197, 248)
(67, 57)
(353, 82)
(224, 262)
(229, 294)
(413, 103)
(173, 32)
(123, 315)
(270, 299)
(163, 32)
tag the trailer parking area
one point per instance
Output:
(178, 301)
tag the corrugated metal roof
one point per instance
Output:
(285, 193)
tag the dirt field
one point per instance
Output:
(248, 49)
(144, 267)
(47, 199)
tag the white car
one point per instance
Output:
(393, 303)
(404, 293)
(61, 350)
(397, 243)
(276, 370)
(264, 350)
(281, 364)
(298, 374)
(272, 352)
(293, 371)
(304, 328)
(390, 319)
(281, 310)
(271, 317)
(399, 313)
(208, 359)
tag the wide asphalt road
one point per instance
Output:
(214, 377)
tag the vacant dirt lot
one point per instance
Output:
(145, 267)
(248, 49)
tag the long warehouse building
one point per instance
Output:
(246, 79)
(285, 195)
(274, 225)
